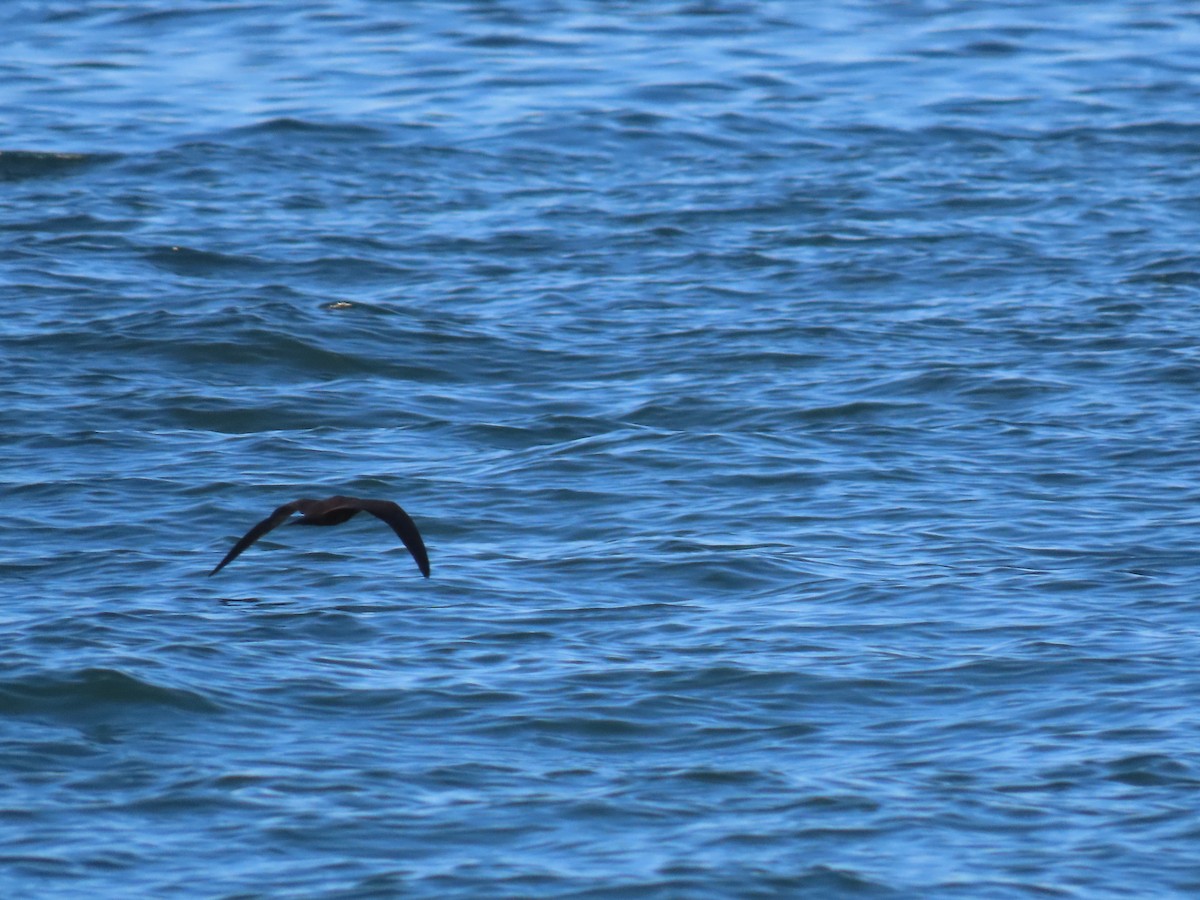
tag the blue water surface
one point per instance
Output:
(799, 402)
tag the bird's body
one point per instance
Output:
(335, 511)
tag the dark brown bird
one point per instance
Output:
(335, 511)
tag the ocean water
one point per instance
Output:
(799, 402)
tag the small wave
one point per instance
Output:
(187, 261)
(19, 165)
(287, 125)
(92, 689)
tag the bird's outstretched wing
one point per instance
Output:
(274, 520)
(404, 527)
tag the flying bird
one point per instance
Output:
(335, 511)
